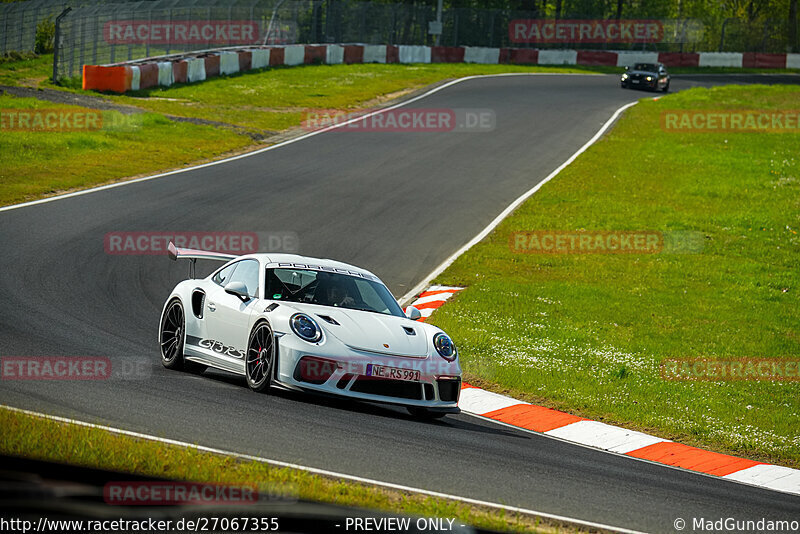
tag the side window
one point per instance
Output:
(223, 276)
(247, 272)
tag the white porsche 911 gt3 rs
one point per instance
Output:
(308, 324)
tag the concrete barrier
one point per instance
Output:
(180, 71)
(100, 78)
(136, 77)
(211, 65)
(596, 57)
(626, 59)
(678, 59)
(334, 55)
(414, 54)
(720, 59)
(148, 75)
(276, 56)
(374, 53)
(355, 54)
(228, 62)
(142, 75)
(558, 57)
(245, 60)
(447, 54)
(294, 54)
(260, 58)
(196, 70)
(315, 54)
(519, 56)
(477, 54)
(165, 73)
(754, 60)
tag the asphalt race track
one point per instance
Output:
(395, 203)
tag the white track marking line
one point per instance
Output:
(514, 205)
(284, 143)
(323, 472)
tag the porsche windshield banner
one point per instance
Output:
(585, 31)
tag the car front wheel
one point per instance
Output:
(260, 357)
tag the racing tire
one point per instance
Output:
(260, 357)
(171, 336)
(666, 88)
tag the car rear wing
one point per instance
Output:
(176, 253)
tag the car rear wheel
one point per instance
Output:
(171, 336)
(260, 357)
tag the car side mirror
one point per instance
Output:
(413, 313)
(238, 289)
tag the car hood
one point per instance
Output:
(642, 72)
(373, 332)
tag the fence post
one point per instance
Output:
(57, 43)
(722, 34)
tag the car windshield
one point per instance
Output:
(330, 289)
(647, 67)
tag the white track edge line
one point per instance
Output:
(514, 205)
(318, 471)
(624, 455)
(282, 143)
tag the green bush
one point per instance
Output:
(45, 36)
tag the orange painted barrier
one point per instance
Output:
(99, 78)
(212, 65)
(523, 56)
(180, 71)
(353, 54)
(149, 75)
(315, 55)
(276, 56)
(447, 54)
(245, 60)
(392, 54)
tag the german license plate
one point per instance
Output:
(635, 81)
(381, 371)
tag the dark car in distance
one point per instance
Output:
(652, 76)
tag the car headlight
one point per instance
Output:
(649, 78)
(445, 346)
(625, 76)
(305, 327)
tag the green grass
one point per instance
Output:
(37, 163)
(275, 99)
(34, 437)
(25, 69)
(586, 333)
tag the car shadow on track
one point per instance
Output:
(461, 422)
